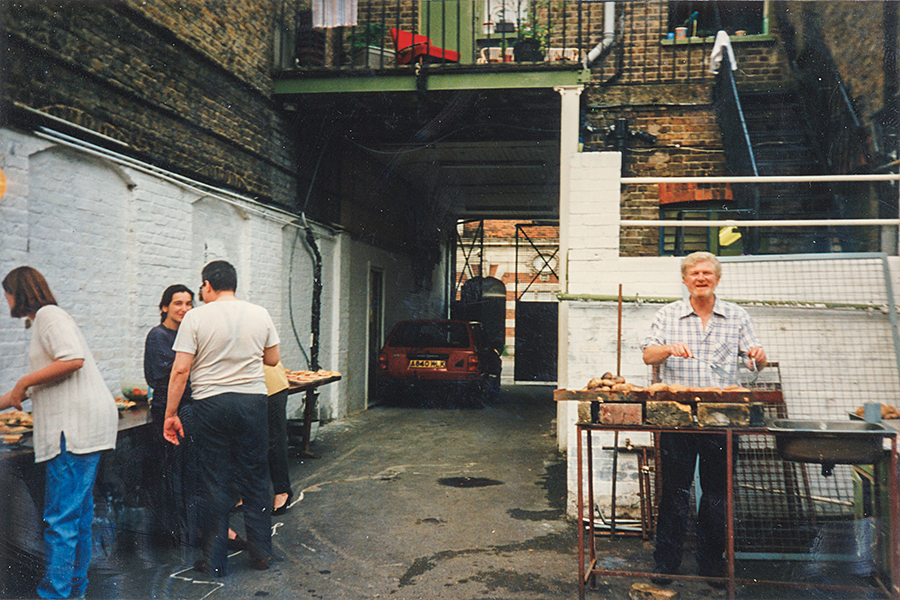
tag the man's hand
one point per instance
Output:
(759, 355)
(17, 395)
(11, 400)
(655, 355)
(680, 350)
(172, 429)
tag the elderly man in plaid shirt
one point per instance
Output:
(718, 332)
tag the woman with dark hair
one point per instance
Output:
(173, 470)
(75, 419)
(158, 354)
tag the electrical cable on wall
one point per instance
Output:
(316, 309)
(291, 302)
(318, 260)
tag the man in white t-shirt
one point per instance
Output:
(222, 347)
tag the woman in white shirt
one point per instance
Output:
(75, 419)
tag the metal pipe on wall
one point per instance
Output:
(609, 34)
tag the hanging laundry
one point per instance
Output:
(719, 46)
(334, 13)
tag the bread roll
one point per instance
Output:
(596, 382)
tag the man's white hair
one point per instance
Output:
(698, 257)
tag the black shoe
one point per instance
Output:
(236, 543)
(202, 566)
(260, 564)
(661, 580)
(284, 507)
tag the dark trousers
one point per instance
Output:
(278, 443)
(233, 435)
(174, 477)
(678, 455)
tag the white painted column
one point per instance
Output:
(570, 117)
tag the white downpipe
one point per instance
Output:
(609, 33)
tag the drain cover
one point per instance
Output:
(468, 482)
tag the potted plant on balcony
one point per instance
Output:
(367, 47)
(531, 41)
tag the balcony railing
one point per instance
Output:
(398, 34)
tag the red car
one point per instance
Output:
(437, 356)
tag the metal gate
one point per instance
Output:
(536, 284)
(536, 320)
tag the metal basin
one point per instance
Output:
(828, 442)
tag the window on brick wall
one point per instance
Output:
(746, 16)
(681, 241)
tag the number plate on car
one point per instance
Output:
(426, 364)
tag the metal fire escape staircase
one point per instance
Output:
(809, 130)
(782, 144)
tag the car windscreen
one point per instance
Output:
(430, 335)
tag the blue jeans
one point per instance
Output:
(233, 440)
(69, 514)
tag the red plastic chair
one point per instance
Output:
(412, 47)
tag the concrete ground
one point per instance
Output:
(417, 503)
(401, 503)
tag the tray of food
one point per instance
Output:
(301, 377)
(123, 404)
(15, 425)
(609, 388)
(611, 400)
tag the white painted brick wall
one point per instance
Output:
(110, 238)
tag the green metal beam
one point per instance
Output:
(436, 82)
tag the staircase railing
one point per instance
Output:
(738, 150)
(837, 129)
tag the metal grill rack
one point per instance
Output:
(773, 502)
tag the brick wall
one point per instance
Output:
(237, 35)
(666, 91)
(188, 87)
(857, 44)
(649, 59)
(689, 143)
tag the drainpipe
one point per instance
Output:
(311, 394)
(609, 34)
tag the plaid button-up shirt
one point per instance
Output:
(728, 334)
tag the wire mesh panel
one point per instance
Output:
(830, 324)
